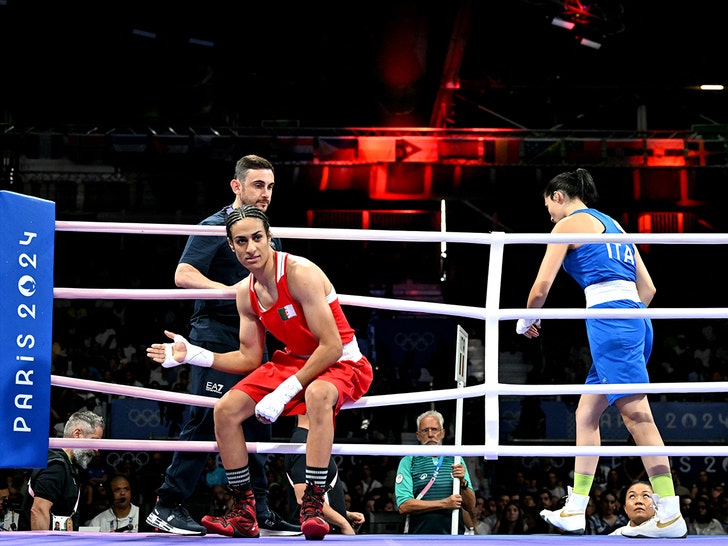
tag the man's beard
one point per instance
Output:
(82, 457)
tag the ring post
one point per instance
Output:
(27, 232)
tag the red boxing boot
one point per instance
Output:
(240, 522)
(313, 525)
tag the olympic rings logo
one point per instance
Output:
(414, 341)
(139, 459)
(535, 462)
(144, 418)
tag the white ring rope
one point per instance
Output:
(396, 450)
(400, 305)
(400, 235)
(383, 400)
(491, 389)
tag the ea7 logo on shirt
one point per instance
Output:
(213, 387)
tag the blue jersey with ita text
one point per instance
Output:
(594, 263)
(619, 348)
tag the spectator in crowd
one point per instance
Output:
(545, 500)
(483, 524)
(607, 516)
(686, 506)
(718, 488)
(276, 469)
(222, 500)
(555, 486)
(702, 519)
(368, 482)
(721, 510)
(214, 474)
(614, 483)
(680, 489)
(511, 521)
(521, 485)
(596, 494)
(544, 469)
(702, 485)
(631, 469)
(122, 516)
(130, 466)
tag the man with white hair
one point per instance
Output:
(423, 486)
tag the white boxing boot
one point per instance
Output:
(570, 518)
(667, 523)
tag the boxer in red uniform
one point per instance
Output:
(319, 369)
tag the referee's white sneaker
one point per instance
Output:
(667, 523)
(570, 518)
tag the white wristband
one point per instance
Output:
(272, 404)
(289, 388)
(523, 325)
(197, 356)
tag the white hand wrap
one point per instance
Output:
(271, 406)
(524, 324)
(197, 356)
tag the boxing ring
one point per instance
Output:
(163, 539)
(490, 390)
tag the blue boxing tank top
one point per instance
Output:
(594, 263)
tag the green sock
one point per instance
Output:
(663, 485)
(582, 483)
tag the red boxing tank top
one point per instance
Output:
(285, 318)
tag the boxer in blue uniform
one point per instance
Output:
(612, 275)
